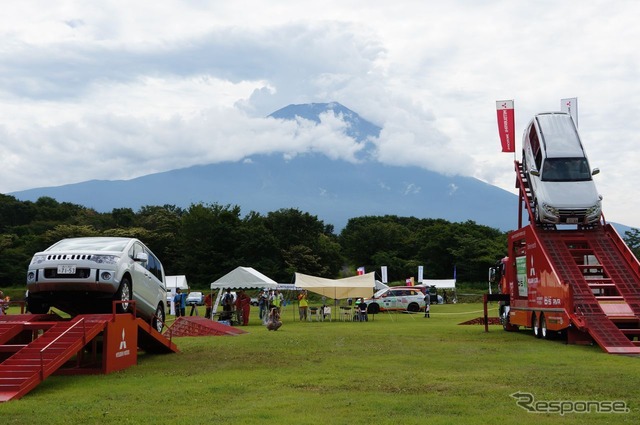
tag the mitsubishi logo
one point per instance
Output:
(123, 343)
(532, 270)
(123, 350)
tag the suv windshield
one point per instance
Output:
(565, 170)
(90, 244)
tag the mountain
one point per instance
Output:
(334, 190)
(358, 129)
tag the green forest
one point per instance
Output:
(206, 241)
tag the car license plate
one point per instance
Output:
(66, 269)
(572, 220)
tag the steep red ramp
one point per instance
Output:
(33, 363)
(603, 284)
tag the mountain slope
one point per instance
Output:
(333, 190)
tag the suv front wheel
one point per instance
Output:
(123, 294)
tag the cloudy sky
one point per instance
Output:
(117, 89)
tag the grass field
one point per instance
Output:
(396, 369)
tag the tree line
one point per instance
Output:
(206, 241)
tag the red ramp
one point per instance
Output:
(33, 347)
(200, 326)
(34, 362)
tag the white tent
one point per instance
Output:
(380, 285)
(350, 287)
(241, 278)
(443, 284)
(244, 278)
(439, 283)
(173, 282)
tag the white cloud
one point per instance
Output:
(130, 88)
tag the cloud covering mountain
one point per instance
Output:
(333, 189)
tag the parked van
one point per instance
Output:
(558, 170)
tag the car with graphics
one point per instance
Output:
(85, 275)
(558, 171)
(396, 298)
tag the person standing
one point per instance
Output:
(208, 305)
(361, 309)
(303, 305)
(243, 306)
(427, 304)
(180, 302)
(276, 300)
(263, 304)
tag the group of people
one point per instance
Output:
(238, 308)
(180, 304)
(269, 305)
(240, 305)
(268, 300)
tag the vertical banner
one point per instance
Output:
(570, 106)
(521, 276)
(383, 272)
(360, 271)
(172, 305)
(506, 125)
(420, 274)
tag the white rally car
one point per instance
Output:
(397, 298)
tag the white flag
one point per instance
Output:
(570, 105)
(384, 273)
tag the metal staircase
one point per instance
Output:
(33, 347)
(34, 362)
(605, 289)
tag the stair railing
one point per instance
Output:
(84, 336)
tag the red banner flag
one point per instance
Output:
(506, 125)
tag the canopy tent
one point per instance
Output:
(443, 284)
(439, 283)
(173, 282)
(350, 287)
(244, 278)
(241, 278)
(380, 285)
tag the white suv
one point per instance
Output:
(84, 275)
(396, 298)
(558, 171)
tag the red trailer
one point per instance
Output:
(582, 282)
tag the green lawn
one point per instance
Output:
(396, 369)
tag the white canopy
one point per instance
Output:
(380, 285)
(439, 283)
(350, 287)
(244, 278)
(173, 282)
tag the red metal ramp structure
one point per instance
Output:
(605, 284)
(33, 347)
(584, 281)
(200, 326)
